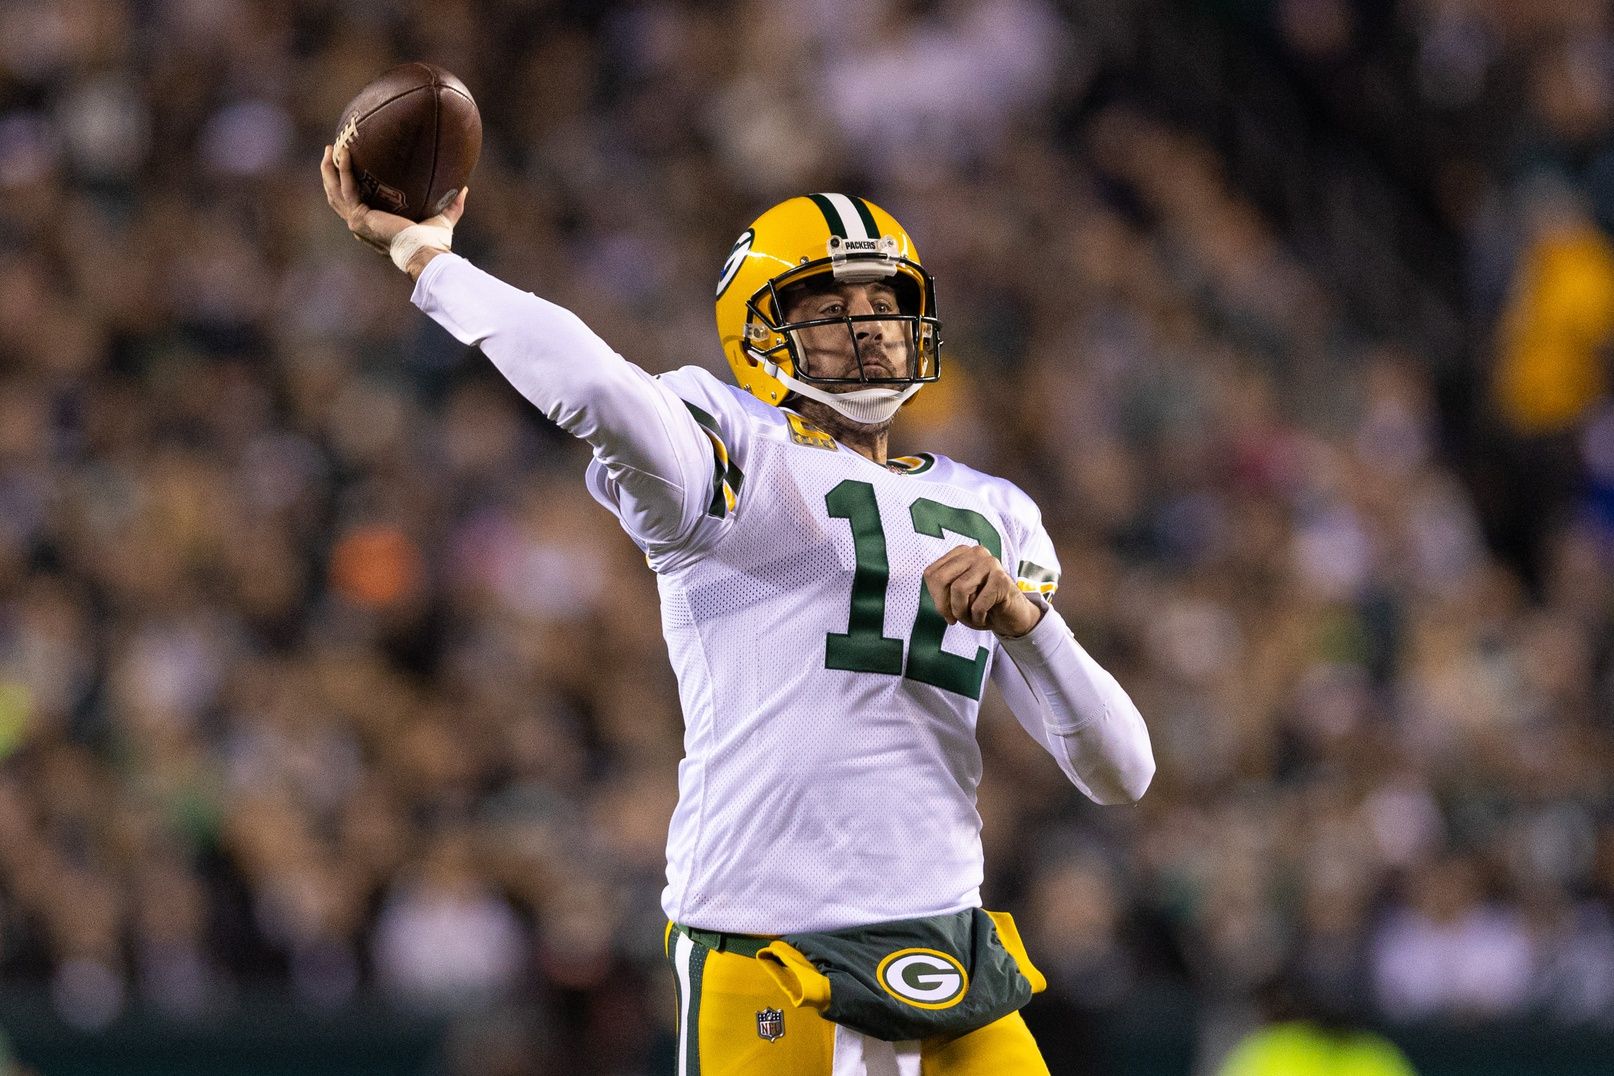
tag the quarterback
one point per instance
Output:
(832, 614)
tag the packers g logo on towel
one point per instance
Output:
(923, 978)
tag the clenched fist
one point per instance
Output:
(969, 586)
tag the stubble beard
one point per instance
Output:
(839, 426)
(870, 439)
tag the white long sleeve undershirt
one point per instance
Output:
(1076, 711)
(641, 432)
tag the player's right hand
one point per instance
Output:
(374, 227)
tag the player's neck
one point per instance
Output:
(867, 439)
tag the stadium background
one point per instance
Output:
(337, 731)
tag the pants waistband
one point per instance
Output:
(741, 944)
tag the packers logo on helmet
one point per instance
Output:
(824, 239)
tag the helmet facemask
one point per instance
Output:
(775, 342)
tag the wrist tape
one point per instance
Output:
(407, 243)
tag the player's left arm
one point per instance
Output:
(1067, 701)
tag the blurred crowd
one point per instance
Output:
(319, 670)
(1497, 115)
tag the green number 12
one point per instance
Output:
(863, 647)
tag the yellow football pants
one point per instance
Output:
(727, 1027)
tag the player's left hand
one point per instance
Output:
(971, 587)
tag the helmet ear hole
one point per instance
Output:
(797, 291)
(910, 297)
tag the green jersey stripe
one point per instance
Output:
(719, 504)
(703, 418)
(725, 472)
(731, 470)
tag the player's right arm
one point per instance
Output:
(656, 456)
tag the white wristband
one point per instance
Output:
(407, 243)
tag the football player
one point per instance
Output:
(832, 614)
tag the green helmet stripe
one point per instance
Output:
(832, 217)
(868, 218)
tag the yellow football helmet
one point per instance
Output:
(823, 238)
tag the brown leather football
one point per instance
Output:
(414, 135)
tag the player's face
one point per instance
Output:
(881, 349)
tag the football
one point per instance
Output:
(414, 135)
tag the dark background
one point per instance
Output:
(335, 723)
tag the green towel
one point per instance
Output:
(911, 979)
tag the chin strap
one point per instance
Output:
(871, 405)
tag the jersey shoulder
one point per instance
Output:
(1035, 564)
(713, 401)
(1010, 501)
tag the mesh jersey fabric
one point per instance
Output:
(816, 798)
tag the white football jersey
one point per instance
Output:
(831, 762)
(830, 770)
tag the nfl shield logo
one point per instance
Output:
(770, 1024)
